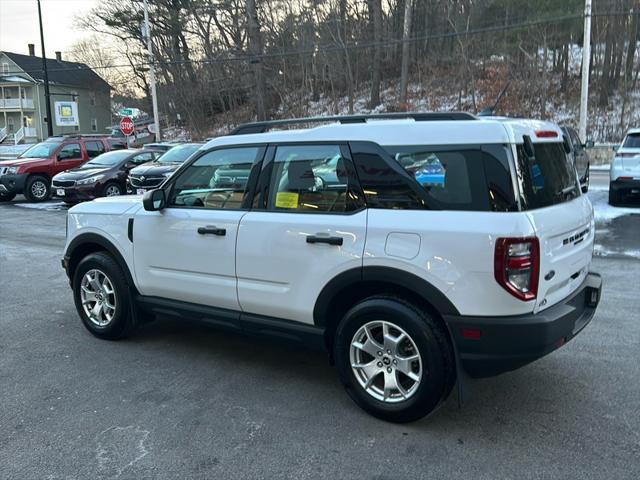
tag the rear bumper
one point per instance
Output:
(508, 343)
(624, 185)
(12, 183)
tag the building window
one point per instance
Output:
(92, 99)
(5, 68)
(94, 124)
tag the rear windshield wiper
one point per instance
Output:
(566, 191)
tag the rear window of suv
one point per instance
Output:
(632, 141)
(546, 179)
(469, 178)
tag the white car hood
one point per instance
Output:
(109, 205)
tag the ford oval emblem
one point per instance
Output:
(550, 275)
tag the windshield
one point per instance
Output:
(107, 160)
(178, 154)
(40, 150)
(632, 141)
(548, 178)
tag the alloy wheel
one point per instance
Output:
(112, 191)
(386, 362)
(39, 189)
(98, 297)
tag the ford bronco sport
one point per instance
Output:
(417, 249)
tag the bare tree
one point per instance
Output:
(256, 50)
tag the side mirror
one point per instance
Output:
(589, 144)
(154, 200)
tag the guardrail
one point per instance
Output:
(602, 154)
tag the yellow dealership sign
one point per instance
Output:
(67, 114)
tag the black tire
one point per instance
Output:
(122, 322)
(433, 345)
(112, 186)
(37, 188)
(614, 196)
(7, 197)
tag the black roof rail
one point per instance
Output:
(261, 127)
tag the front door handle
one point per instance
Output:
(212, 230)
(324, 239)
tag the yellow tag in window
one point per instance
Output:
(286, 200)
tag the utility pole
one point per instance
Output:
(406, 33)
(47, 95)
(152, 72)
(586, 58)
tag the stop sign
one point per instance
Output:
(126, 126)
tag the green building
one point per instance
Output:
(80, 99)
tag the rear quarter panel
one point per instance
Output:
(455, 253)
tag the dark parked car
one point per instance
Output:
(579, 156)
(147, 177)
(31, 173)
(104, 176)
(162, 146)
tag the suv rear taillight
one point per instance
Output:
(517, 266)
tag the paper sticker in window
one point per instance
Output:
(287, 200)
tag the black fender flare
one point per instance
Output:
(105, 244)
(400, 278)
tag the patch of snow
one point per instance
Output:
(43, 206)
(602, 251)
(602, 211)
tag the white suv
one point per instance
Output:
(624, 174)
(415, 248)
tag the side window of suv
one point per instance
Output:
(218, 179)
(94, 149)
(71, 151)
(311, 179)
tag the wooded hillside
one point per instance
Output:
(233, 60)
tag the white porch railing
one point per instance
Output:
(16, 103)
(3, 134)
(18, 136)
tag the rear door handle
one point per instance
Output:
(212, 230)
(325, 239)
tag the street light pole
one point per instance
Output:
(152, 72)
(586, 58)
(47, 95)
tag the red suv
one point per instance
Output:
(31, 173)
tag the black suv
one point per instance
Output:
(579, 156)
(152, 174)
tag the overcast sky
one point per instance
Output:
(19, 24)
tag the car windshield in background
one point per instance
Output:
(40, 150)
(107, 160)
(548, 178)
(178, 154)
(632, 141)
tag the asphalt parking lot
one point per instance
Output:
(183, 400)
